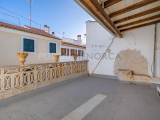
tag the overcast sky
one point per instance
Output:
(60, 15)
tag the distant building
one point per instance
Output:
(40, 44)
(70, 47)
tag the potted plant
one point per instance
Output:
(56, 57)
(22, 57)
(75, 57)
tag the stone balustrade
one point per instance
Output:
(15, 80)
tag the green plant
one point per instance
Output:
(75, 55)
(22, 53)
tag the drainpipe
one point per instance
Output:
(154, 56)
(102, 56)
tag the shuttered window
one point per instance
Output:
(79, 52)
(63, 51)
(75, 52)
(52, 47)
(72, 52)
(67, 52)
(28, 45)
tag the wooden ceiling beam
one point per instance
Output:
(110, 2)
(137, 15)
(132, 7)
(139, 21)
(139, 26)
(97, 8)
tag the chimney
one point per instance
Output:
(53, 33)
(79, 39)
(47, 29)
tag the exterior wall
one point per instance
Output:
(157, 52)
(98, 40)
(11, 43)
(69, 40)
(77, 42)
(70, 58)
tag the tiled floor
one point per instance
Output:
(123, 102)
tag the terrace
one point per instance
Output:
(65, 91)
(94, 89)
(122, 102)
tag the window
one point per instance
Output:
(67, 52)
(80, 52)
(52, 47)
(28, 45)
(73, 52)
(63, 51)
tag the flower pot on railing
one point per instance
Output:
(22, 57)
(75, 57)
(56, 57)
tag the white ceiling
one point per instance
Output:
(126, 3)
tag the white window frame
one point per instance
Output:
(49, 47)
(81, 52)
(73, 48)
(67, 52)
(34, 44)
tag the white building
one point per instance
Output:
(98, 40)
(38, 43)
(125, 37)
(70, 47)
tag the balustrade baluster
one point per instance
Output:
(18, 77)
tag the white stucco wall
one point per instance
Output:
(97, 35)
(157, 52)
(11, 43)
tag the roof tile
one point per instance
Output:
(30, 30)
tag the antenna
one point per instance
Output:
(30, 11)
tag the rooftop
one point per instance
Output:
(28, 29)
(122, 102)
(67, 43)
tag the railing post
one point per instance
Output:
(47, 67)
(2, 79)
(12, 82)
(21, 76)
(35, 74)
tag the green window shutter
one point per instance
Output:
(52, 47)
(28, 45)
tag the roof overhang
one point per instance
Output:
(117, 16)
(72, 45)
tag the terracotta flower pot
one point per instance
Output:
(75, 58)
(56, 57)
(22, 58)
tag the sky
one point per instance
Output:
(60, 15)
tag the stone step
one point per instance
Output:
(155, 82)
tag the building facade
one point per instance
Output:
(135, 51)
(39, 44)
(70, 47)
